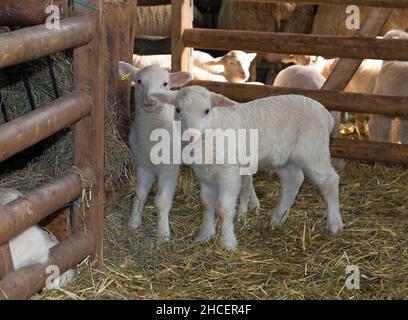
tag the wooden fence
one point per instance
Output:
(353, 49)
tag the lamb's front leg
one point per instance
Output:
(167, 182)
(229, 189)
(208, 199)
(247, 198)
(144, 183)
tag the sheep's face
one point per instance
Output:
(236, 65)
(152, 79)
(194, 107)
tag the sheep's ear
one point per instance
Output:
(216, 61)
(127, 71)
(178, 79)
(251, 56)
(164, 96)
(218, 100)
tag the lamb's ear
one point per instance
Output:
(216, 61)
(251, 56)
(127, 71)
(164, 96)
(218, 100)
(178, 79)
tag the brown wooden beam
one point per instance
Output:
(369, 151)
(37, 125)
(35, 42)
(23, 212)
(28, 12)
(332, 100)
(25, 282)
(6, 261)
(344, 69)
(323, 45)
(90, 73)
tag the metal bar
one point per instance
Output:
(37, 125)
(34, 42)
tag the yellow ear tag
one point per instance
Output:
(126, 76)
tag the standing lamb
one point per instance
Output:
(151, 116)
(294, 133)
(32, 245)
(232, 67)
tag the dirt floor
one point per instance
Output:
(300, 261)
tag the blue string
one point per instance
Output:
(87, 5)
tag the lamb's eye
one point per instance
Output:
(165, 84)
(178, 110)
(139, 81)
(207, 111)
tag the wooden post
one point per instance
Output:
(6, 262)
(181, 16)
(89, 73)
(126, 15)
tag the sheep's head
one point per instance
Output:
(236, 65)
(151, 79)
(194, 108)
(298, 59)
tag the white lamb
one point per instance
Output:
(299, 76)
(232, 67)
(150, 116)
(32, 245)
(293, 133)
(392, 80)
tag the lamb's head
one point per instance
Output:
(151, 79)
(194, 109)
(236, 65)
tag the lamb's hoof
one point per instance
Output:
(163, 236)
(229, 243)
(335, 227)
(205, 236)
(135, 222)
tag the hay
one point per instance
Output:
(299, 261)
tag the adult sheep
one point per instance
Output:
(331, 20)
(156, 20)
(265, 16)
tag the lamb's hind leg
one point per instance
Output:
(167, 182)
(291, 178)
(328, 181)
(247, 198)
(144, 183)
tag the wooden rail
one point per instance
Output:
(142, 3)
(35, 42)
(323, 45)
(25, 282)
(35, 205)
(37, 125)
(332, 100)
(28, 12)
(369, 151)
